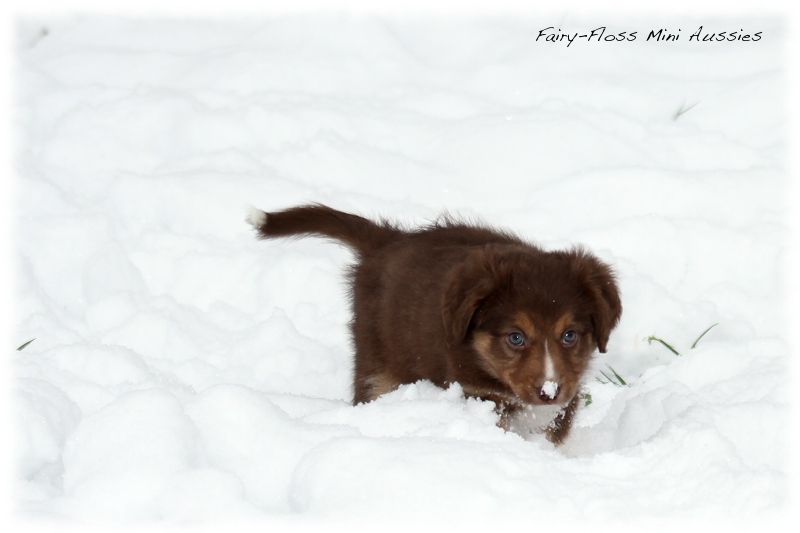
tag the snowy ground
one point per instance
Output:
(183, 371)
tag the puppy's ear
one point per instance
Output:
(467, 286)
(599, 284)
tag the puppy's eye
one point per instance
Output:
(569, 337)
(516, 339)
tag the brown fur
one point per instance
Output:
(448, 302)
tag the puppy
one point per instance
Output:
(460, 303)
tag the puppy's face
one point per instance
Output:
(532, 318)
(540, 356)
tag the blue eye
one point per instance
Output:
(569, 337)
(516, 339)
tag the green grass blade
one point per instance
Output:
(587, 399)
(24, 345)
(703, 334)
(610, 380)
(652, 338)
(683, 109)
(619, 378)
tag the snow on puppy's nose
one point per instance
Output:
(550, 389)
(548, 392)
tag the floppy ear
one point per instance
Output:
(600, 287)
(467, 286)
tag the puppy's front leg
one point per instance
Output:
(506, 413)
(559, 428)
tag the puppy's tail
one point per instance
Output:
(358, 233)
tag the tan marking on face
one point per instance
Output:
(379, 384)
(524, 322)
(482, 342)
(564, 323)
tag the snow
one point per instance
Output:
(185, 372)
(550, 388)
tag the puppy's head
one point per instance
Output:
(532, 318)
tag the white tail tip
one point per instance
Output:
(256, 217)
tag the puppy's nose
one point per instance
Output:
(548, 392)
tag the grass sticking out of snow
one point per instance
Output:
(615, 380)
(653, 338)
(25, 345)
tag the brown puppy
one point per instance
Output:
(458, 303)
